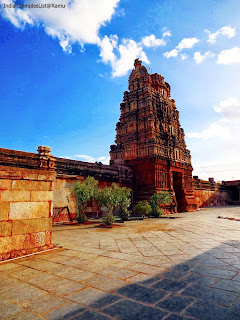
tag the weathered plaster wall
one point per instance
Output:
(26, 201)
(209, 193)
(210, 198)
(62, 196)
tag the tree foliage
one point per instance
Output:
(124, 203)
(142, 208)
(156, 200)
(83, 193)
(111, 198)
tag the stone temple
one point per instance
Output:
(151, 141)
(149, 155)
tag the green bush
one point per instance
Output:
(109, 219)
(81, 218)
(124, 195)
(111, 198)
(123, 213)
(142, 208)
(156, 200)
(83, 193)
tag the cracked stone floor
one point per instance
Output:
(173, 269)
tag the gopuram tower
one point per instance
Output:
(151, 141)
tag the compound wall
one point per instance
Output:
(26, 200)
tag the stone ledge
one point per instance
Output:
(23, 252)
(25, 241)
(16, 173)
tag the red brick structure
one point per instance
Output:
(151, 142)
(209, 193)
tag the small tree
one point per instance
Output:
(124, 203)
(156, 200)
(83, 193)
(111, 198)
(142, 208)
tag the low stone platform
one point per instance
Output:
(173, 269)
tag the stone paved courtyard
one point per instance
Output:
(173, 269)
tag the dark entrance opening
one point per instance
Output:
(179, 193)
(234, 192)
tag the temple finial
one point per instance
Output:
(137, 63)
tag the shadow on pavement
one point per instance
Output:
(205, 288)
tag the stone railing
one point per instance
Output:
(209, 184)
(19, 159)
(97, 170)
(44, 160)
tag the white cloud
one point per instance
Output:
(107, 44)
(215, 130)
(229, 109)
(229, 56)
(230, 112)
(16, 16)
(167, 34)
(104, 160)
(79, 22)
(222, 169)
(184, 56)
(198, 57)
(172, 53)
(129, 50)
(121, 56)
(220, 140)
(187, 43)
(228, 31)
(63, 40)
(152, 41)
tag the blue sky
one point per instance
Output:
(64, 71)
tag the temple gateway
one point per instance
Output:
(151, 141)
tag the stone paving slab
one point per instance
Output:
(170, 269)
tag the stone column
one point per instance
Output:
(47, 161)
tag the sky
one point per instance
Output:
(64, 66)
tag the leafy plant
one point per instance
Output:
(81, 218)
(109, 219)
(111, 198)
(142, 208)
(156, 200)
(124, 203)
(83, 193)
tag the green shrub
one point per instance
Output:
(109, 219)
(142, 208)
(124, 195)
(81, 218)
(156, 200)
(83, 193)
(123, 213)
(111, 198)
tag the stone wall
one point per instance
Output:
(209, 193)
(26, 201)
(62, 186)
(31, 184)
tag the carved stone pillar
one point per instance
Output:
(47, 161)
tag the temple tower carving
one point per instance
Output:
(150, 140)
